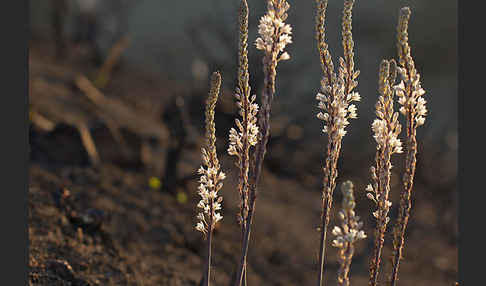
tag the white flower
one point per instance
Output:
(420, 108)
(323, 116)
(285, 56)
(403, 110)
(285, 39)
(341, 132)
(260, 44)
(321, 97)
(336, 231)
(361, 235)
(338, 242)
(200, 227)
(376, 214)
(420, 120)
(221, 176)
(217, 217)
(369, 188)
(355, 97)
(286, 29)
(418, 93)
(352, 111)
(216, 206)
(201, 204)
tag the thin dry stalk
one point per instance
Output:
(247, 135)
(88, 143)
(113, 58)
(211, 177)
(274, 36)
(347, 235)
(335, 100)
(413, 108)
(386, 129)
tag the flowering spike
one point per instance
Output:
(335, 99)
(347, 235)
(211, 176)
(409, 92)
(386, 129)
(246, 134)
(274, 33)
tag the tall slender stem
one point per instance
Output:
(405, 201)
(208, 266)
(322, 248)
(244, 251)
(330, 176)
(259, 156)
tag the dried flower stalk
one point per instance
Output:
(347, 235)
(247, 135)
(335, 100)
(274, 36)
(413, 108)
(211, 176)
(386, 129)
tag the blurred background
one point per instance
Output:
(117, 91)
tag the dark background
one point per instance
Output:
(173, 48)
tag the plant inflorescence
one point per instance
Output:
(246, 134)
(386, 129)
(336, 99)
(413, 108)
(211, 176)
(347, 234)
